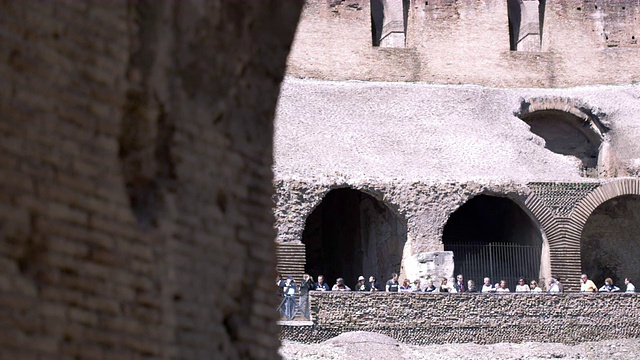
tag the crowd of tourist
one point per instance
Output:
(288, 288)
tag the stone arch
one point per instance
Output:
(610, 241)
(605, 192)
(489, 218)
(351, 233)
(585, 208)
(570, 129)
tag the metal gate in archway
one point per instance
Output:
(498, 261)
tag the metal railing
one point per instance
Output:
(498, 261)
(294, 307)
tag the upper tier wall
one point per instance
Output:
(578, 42)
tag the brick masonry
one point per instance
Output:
(467, 42)
(135, 178)
(424, 319)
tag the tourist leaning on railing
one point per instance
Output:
(373, 285)
(321, 285)
(340, 286)
(360, 285)
(522, 286)
(471, 286)
(608, 286)
(487, 287)
(406, 286)
(554, 286)
(430, 287)
(502, 287)
(586, 285)
(630, 287)
(534, 287)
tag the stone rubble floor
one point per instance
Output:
(367, 345)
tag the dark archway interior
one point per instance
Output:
(351, 234)
(492, 236)
(610, 243)
(566, 134)
(514, 14)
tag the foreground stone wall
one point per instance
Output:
(135, 178)
(482, 318)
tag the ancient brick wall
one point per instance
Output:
(135, 186)
(451, 42)
(482, 318)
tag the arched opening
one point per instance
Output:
(610, 241)
(567, 134)
(493, 237)
(350, 234)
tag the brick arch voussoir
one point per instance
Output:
(568, 105)
(545, 218)
(603, 193)
(320, 196)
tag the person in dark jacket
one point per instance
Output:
(459, 284)
(321, 285)
(280, 283)
(471, 287)
(360, 285)
(306, 286)
(373, 285)
(430, 287)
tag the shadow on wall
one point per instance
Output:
(351, 234)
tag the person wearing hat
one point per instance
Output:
(361, 286)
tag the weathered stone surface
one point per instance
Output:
(428, 133)
(576, 42)
(422, 318)
(620, 349)
(135, 177)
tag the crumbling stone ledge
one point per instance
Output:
(422, 318)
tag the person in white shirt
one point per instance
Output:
(502, 287)
(534, 287)
(340, 286)
(630, 287)
(522, 287)
(487, 287)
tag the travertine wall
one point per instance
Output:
(467, 42)
(135, 177)
(482, 318)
